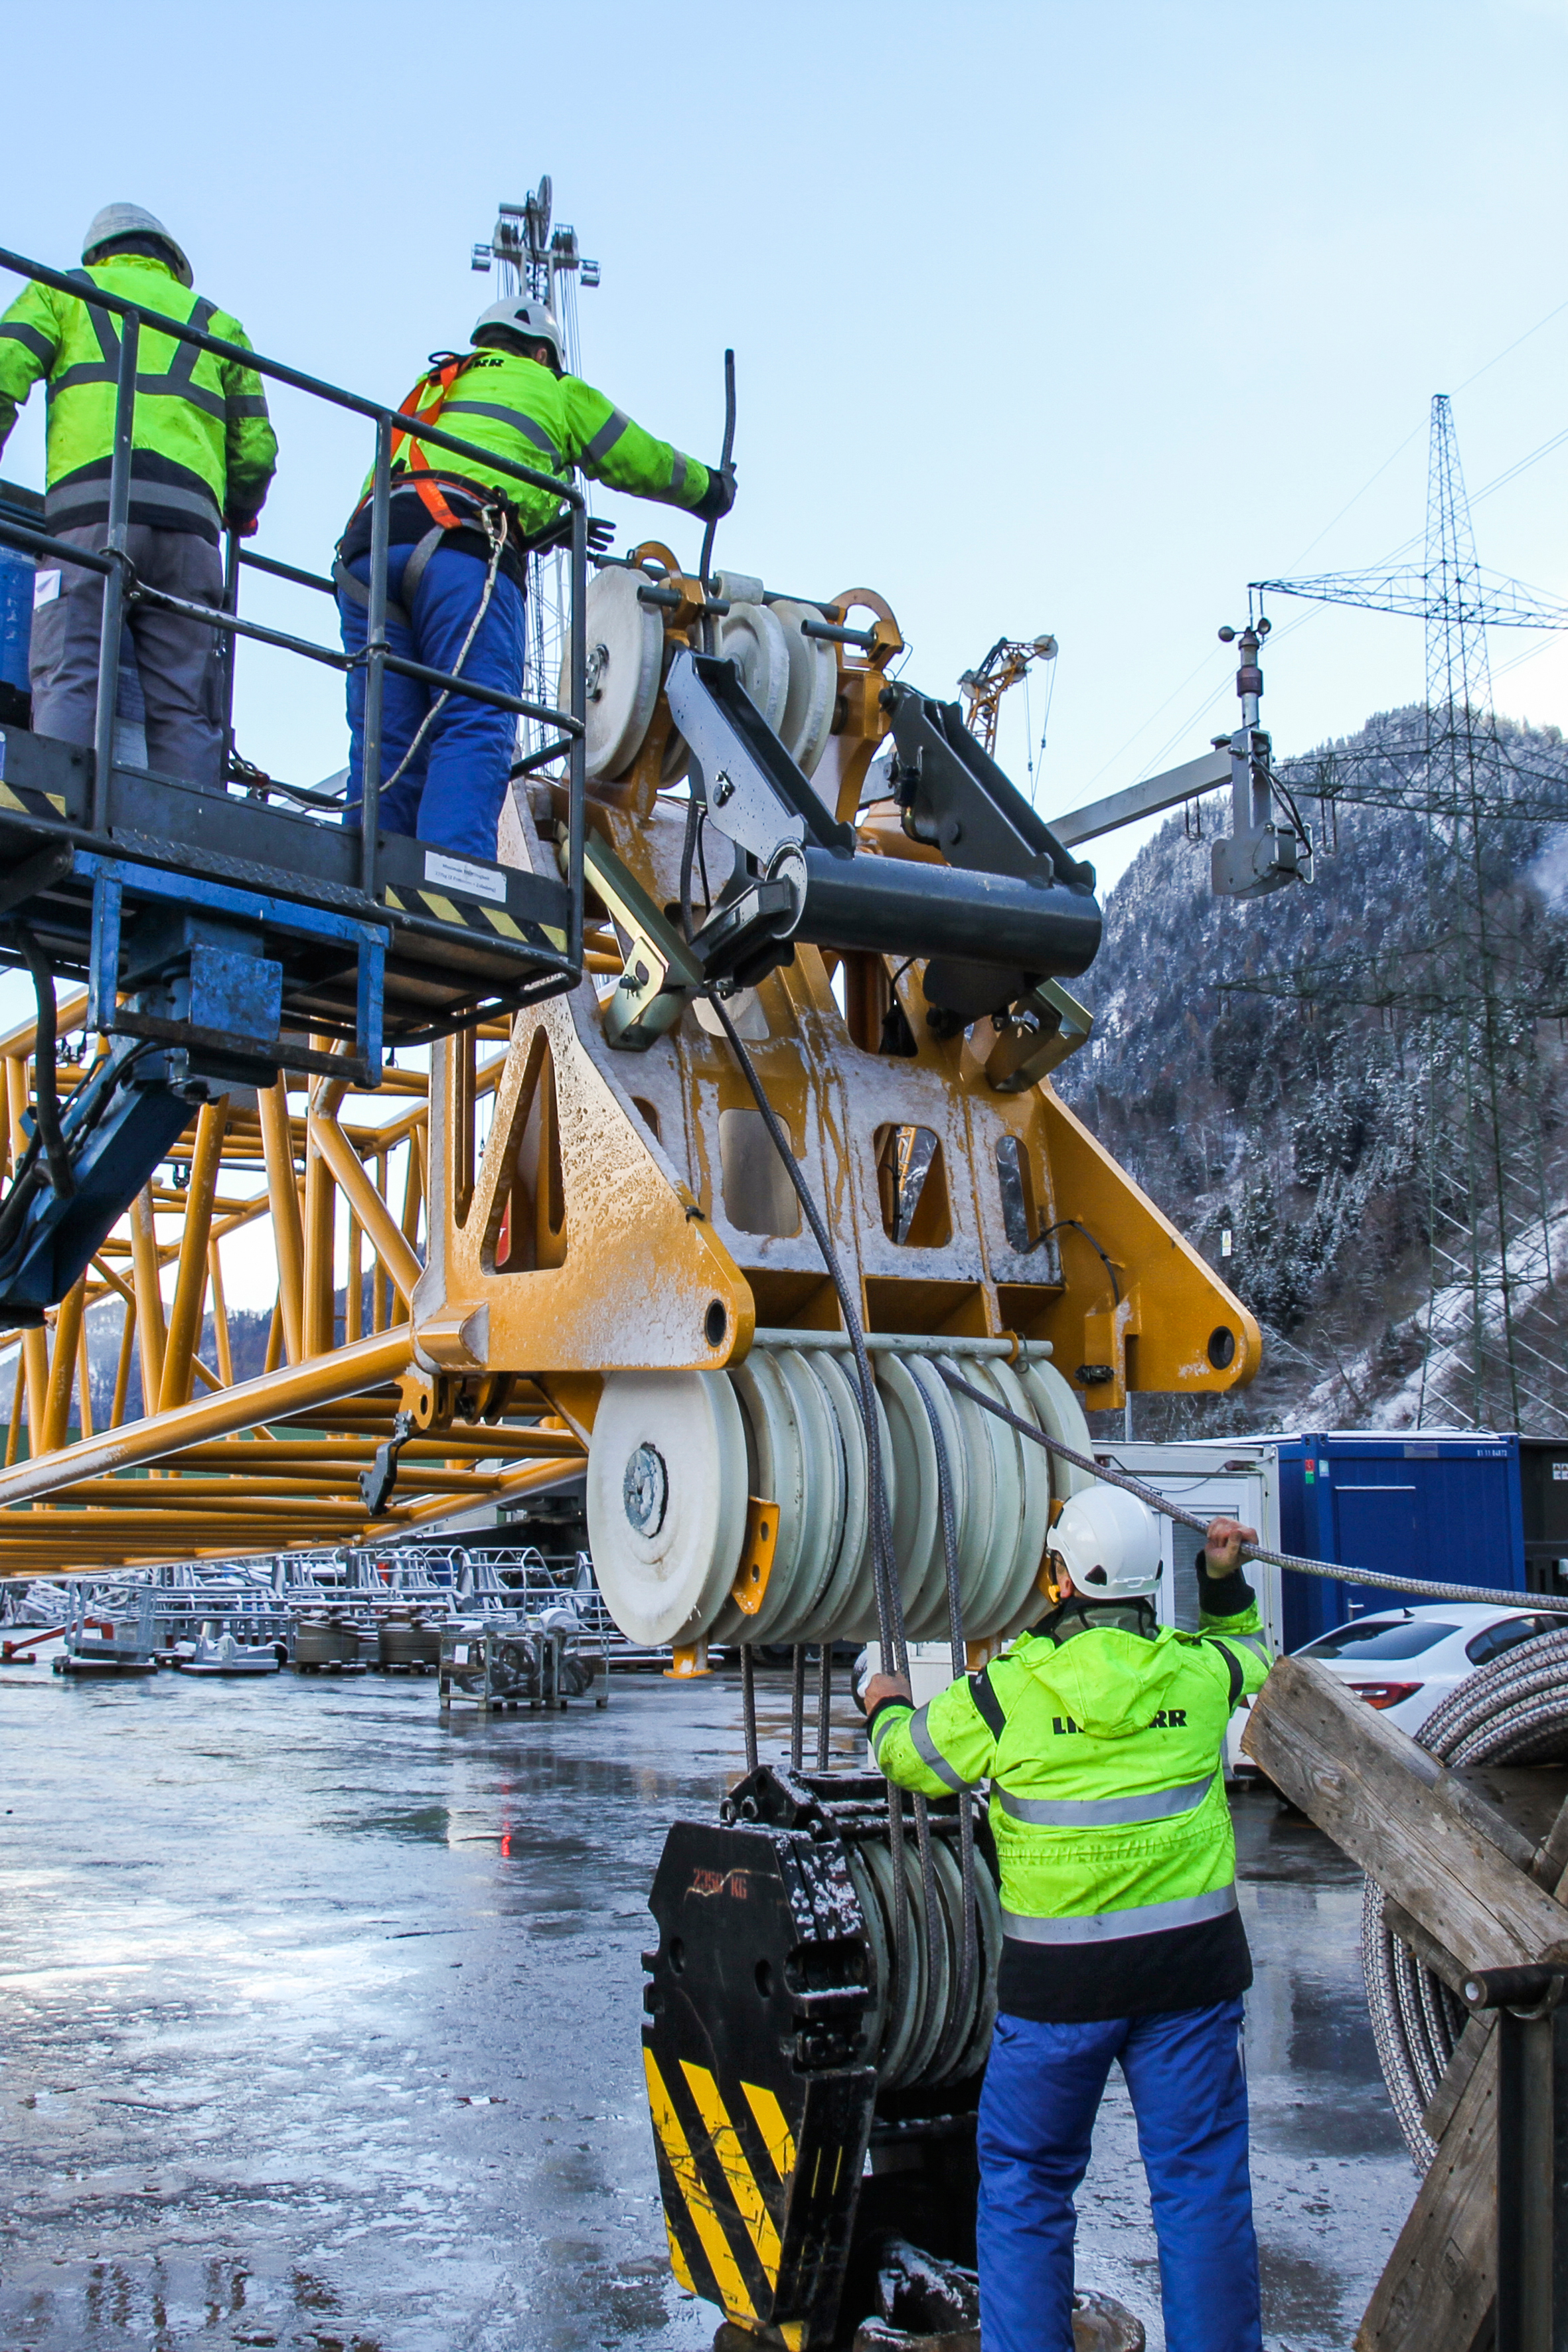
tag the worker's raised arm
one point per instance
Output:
(251, 444)
(30, 345)
(1227, 1607)
(946, 1745)
(611, 448)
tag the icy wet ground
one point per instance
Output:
(318, 2028)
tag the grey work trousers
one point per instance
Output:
(179, 660)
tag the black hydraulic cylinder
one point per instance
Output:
(905, 907)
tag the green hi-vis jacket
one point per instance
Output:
(202, 447)
(1105, 1754)
(520, 410)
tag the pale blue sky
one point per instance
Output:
(1060, 317)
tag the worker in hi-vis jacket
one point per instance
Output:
(203, 454)
(1103, 1735)
(457, 570)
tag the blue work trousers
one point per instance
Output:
(450, 793)
(1043, 2086)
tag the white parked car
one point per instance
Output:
(1404, 1662)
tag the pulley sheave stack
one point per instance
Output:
(676, 1458)
(791, 678)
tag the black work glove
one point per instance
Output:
(559, 534)
(719, 497)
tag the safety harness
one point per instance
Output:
(487, 511)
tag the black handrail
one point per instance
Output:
(121, 585)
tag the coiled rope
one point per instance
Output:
(1511, 1711)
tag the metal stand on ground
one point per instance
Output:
(749, 1701)
(1532, 2155)
(797, 1707)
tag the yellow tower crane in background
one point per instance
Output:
(983, 687)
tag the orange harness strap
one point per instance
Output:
(412, 451)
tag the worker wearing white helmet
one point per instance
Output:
(461, 531)
(1101, 1734)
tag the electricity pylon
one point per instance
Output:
(1470, 986)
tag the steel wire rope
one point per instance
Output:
(1511, 1711)
(969, 1953)
(797, 1707)
(884, 1567)
(1336, 1572)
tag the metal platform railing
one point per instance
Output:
(123, 588)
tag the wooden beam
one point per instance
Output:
(1437, 2290)
(1432, 1844)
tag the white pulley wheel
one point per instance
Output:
(777, 1473)
(1023, 1600)
(1061, 1417)
(917, 1513)
(984, 1522)
(750, 637)
(933, 1624)
(940, 1970)
(667, 1501)
(626, 653)
(874, 2017)
(817, 1428)
(906, 1995)
(1007, 1502)
(844, 1576)
(1034, 1518)
(849, 1610)
(949, 1876)
(988, 1922)
(807, 719)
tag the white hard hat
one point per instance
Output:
(130, 220)
(1109, 1543)
(534, 322)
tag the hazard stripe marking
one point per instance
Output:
(677, 2262)
(731, 2156)
(699, 2203)
(527, 933)
(31, 803)
(777, 2138)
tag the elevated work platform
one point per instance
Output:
(440, 942)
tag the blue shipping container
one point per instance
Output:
(1448, 1508)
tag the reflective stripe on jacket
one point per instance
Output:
(202, 444)
(525, 412)
(1105, 1754)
